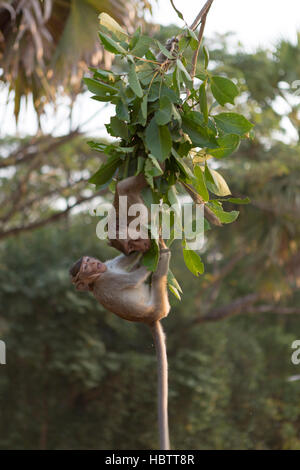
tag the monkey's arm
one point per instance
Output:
(135, 278)
(124, 280)
(125, 262)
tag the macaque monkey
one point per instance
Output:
(124, 291)
(120, 286)
(130, 187)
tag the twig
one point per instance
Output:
(52, 218)
(199, 17)
(196, 53)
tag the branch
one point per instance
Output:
(234, 308)
(29, 203)
(244, 305)
(51, 218)
(196, 53)
(203, 12)
(19, 156)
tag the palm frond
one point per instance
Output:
(48, 45)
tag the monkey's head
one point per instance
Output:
(128, 245)
(86, 271)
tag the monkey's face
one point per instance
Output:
(86, 271)
(128, 245)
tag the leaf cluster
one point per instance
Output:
(166, 122)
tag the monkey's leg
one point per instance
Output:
(162, 386)
(131, 184)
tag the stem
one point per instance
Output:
(195, 57)
(162, 389)
(203, 12)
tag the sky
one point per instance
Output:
(256, 23)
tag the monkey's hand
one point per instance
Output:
(85, 272)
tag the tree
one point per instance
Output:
(45, 48)
(46, 45)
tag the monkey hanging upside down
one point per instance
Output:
(123, 291)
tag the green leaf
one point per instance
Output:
(203, 101)
(158, 140)
(164, 114)
(111, 25)
(182, 165)
(152, 169)
(164, 50)
(228, 144)
(151, 258)
(122, 110)
(110, 45)
(200, 185)
(186, 76)
(193, 39)
(224, 217)
(140, 165)
(200, 136)
(105, 75)
(206, 57)
(166, 91)
(223, 89)
(176, 77)
(184, 41)
(106, 171)
(142, 46)
(219, 187)
(232, 123)
(118, 127)
(144, 106)
(208, 176)
(177, 11)
(134, 81)
(173, 285)
(145, 72)
(193, 262)
(237, 200)
(99, 88)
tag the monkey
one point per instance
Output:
(120, 286)
(124, 292)
(130, 187)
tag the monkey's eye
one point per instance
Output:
(88, 259)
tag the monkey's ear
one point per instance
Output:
(76, 267)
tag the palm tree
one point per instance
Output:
(45, 45)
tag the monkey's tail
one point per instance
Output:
(162, 371)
